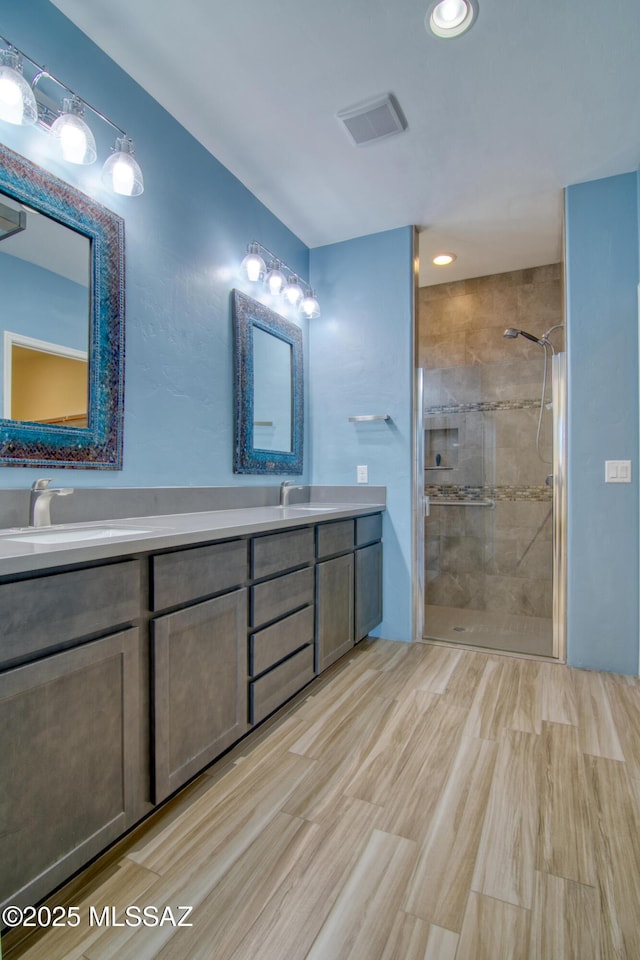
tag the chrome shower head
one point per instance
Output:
(511, 333)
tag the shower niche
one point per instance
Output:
(441, 445)
(453, 449)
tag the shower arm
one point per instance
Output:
(545, 336)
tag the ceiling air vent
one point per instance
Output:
(373, 120)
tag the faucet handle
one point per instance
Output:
(41, 484)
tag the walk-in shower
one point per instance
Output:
(493, 460)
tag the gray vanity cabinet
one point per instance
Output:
(281, 647)
(368, 574)
(69, 745)
(198, 659)
(120, 681)
(334, 609)
(199, 687)
(335, 591)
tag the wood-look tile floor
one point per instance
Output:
(418, 803)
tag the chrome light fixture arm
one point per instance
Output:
(121, 172)
(296, 291)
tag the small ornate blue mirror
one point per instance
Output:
(62, 331)
(268, 388)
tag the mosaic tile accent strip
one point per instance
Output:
(468, 494)
(482, 406)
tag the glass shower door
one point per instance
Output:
(489, 534)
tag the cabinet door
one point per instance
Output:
(69, 747)
(199, 687)
(334, 609)
(368, 589)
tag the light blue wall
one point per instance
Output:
(602, 305)
(185, 237)
(361, 363)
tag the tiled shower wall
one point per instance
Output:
(482, 396)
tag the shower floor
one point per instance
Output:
(485, 628)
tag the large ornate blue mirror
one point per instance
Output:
(62, 329)
(269, 390)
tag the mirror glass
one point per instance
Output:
(271, 392)
(268, 390)
(62, 327)
(45, 282)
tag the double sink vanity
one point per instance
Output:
(135, 651)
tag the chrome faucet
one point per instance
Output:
(40, 502)
(285, 490)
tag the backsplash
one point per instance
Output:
(116, 503)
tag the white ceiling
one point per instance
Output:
(539, 94)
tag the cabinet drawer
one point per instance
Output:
(334, 538)
(368, 529)
(46, 612)
(276, 597)
(281, 551)
(279, 640)
(272, 690)
(188, 575)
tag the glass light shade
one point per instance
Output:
(310, 308)
(17, 102)
(293, 292)
(253, 266)
(72, 135)
(275, 279)
(450, 18)
(121, 172)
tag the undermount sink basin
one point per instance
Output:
(71, 536)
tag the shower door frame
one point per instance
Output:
(559, 501)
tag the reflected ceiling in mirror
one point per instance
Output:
(269, 390)
(62, 278)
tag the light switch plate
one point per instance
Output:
(617, 471)
(362, 474)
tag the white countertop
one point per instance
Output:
(19, 554)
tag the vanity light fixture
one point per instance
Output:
(444, 259)
(450, 18)
(310, 308)
(279, 280)
(275, 279)
(121, 172)
(74, 137)
(17, 100)
(293, 292)
(23, 102)
(253, 266)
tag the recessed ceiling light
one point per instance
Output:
(450, 18)
(444, 259)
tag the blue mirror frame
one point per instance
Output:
(99, 445)
(248, 314)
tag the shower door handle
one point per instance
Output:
(427, 506)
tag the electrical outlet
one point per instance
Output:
(362, 474)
